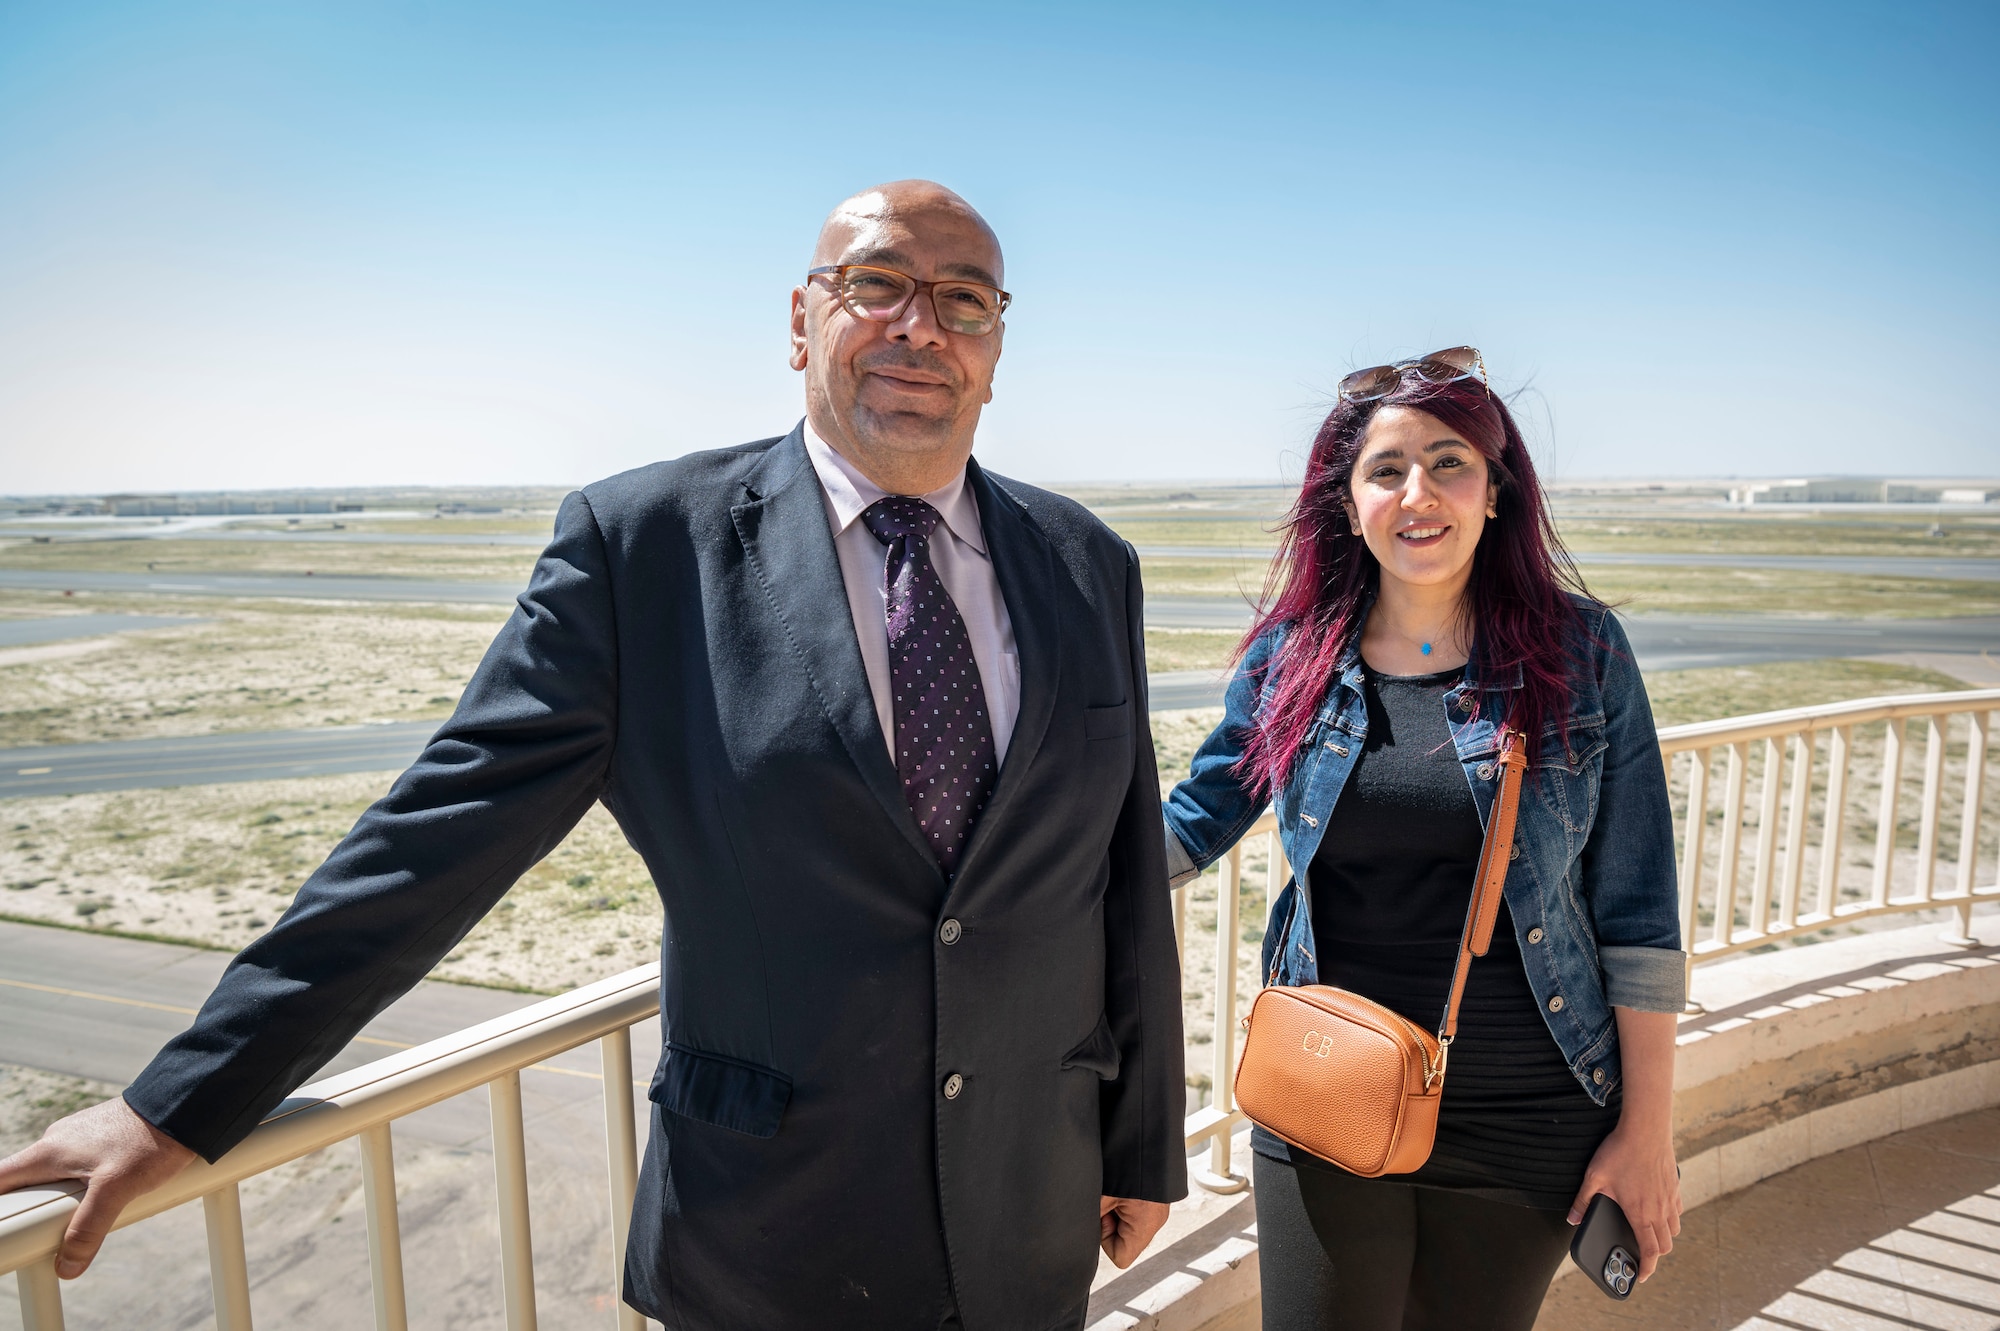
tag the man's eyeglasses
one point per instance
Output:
(880, 295)
(1440, 367)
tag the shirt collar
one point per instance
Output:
(848, 493)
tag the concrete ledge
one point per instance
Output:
(1799, 1053)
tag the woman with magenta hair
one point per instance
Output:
(1422, 602)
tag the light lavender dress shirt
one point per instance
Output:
(958, 552)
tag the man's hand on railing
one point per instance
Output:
(1126, 1226)
(118, 1157)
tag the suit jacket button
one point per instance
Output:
(1535, 935)
(953, 1085)
(1556, 1003)
(950, 932)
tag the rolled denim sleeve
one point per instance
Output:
(1629, 881)
(1645, 979)
(1181, 869)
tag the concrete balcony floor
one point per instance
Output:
(1902, 1232)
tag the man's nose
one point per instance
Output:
(918, 325)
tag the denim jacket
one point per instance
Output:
(1592, 885)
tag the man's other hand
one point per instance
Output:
(118, 1156)
(1125, 1227)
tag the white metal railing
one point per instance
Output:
(362, 1104)
(1800, 821)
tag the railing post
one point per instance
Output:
(228, 1268)
(1732, 845)
(1833, 827)
(41, 1296)
(1692, 845)
(385, 1230)
(1885, 818)
(1767, 836)
(510, 1171)
(1978, 729)
(1933, 807)
(622, 1156)
(1795, 829)
(1221, 1175)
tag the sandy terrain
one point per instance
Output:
(247, 665)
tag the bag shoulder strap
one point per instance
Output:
(1490, 879)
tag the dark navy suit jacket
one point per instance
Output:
(685, 654)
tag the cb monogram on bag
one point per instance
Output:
(1366, 1095)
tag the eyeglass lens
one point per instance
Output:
(881, 294)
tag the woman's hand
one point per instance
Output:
(1636, 1170)
(1634, 1166)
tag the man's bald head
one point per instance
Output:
(858, 227)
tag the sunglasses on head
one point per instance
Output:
(1440, 367)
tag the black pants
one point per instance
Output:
(1340, 1253)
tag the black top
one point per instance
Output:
(1391, 884)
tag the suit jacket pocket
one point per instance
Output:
(1107, 722)
(724, 1091)
(1098, 1053)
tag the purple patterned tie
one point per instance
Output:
(944, 740)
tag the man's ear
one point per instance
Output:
(798, 356)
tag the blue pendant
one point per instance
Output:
(1427, 649)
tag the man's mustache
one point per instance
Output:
(923, 363)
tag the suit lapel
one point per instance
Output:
(1025, 565)
(783, 528)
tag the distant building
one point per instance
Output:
(1859, 490)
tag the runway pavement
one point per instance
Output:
(1659, 642)
(293, 586)
(258, 755)
(58, 628)
(1870, 566)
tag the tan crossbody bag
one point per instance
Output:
(1350, 1080)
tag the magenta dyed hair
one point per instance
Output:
(1325, 576)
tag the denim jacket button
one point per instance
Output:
(1486, 771)
(1556, 1003)
(1597, 1075)
(1514, 851)
(1535, 936)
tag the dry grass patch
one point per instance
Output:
(255, 665)
(1798, 593)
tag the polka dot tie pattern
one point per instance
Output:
(944, 735)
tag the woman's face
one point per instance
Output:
(1420, 495)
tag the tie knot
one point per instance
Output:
(900, 515)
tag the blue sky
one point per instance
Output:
(261, 245)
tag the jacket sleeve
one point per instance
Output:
(1628, 862)
(501, 783)
(1141, 1110)
(1209, 812)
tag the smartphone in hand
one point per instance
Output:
(1606, 1249)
